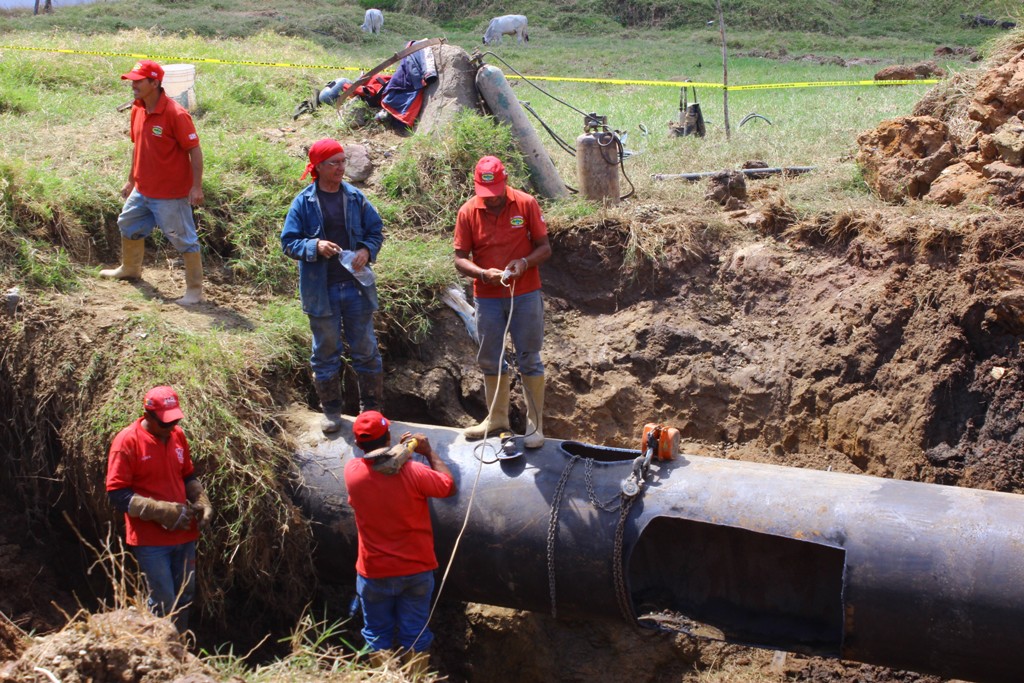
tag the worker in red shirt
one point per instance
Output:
(395, 564)
(500, 240)
(150, 478)
(164, 183)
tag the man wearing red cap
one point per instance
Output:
(334, 233)
(164, 183)
(151, 480)
(500, 239)
(396, 561)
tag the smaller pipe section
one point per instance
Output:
(749, 172)
(496, 91)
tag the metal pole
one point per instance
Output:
(725, 68)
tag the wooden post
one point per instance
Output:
(725, 69)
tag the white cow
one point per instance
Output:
(505, 26)
(373, 21)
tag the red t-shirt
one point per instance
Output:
(160, 162)
(496, 241)
(143, 463)
(393, 518)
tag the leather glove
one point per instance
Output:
(200, 502)
(171, 516)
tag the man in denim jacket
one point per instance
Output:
(328, 221)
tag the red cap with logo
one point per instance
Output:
(370, 426)
(147, 68)
(163, 402)
(489, 177)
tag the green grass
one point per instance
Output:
(69, 195)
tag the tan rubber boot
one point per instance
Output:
(193, 279)
(381, 659)
(496, 388)
(132, 253)
(416, 665)
(533, 387)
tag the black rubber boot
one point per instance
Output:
(329, 391)
(371, 391)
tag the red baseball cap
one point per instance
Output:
(163, 402)
(370, 426)
(489, 177)
(146, 68)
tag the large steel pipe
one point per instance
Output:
(902, 574)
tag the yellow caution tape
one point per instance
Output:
(178, 58)
(616, 81)
(828, 84)
(565, 79)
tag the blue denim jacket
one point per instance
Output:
(304, 225)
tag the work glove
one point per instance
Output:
(199, 502)
(171, 516)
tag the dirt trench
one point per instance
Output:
(880, 344)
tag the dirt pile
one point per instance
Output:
(917, 157)
(113, 647)
(902, 157)
(910, 72)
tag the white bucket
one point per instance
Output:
(179, 83)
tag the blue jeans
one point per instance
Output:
(526, 329)
(170, 572)
(351, 314)
(174, 216)
(398, 602)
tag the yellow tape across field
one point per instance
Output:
(565, 79)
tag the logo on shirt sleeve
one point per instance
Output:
(193, 136)
(180, 452)
(518, 221)
(158, 131)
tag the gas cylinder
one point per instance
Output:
(667, 438)
(496, 91)
(597, 164)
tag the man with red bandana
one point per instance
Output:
(150, 478)
(164, 183)
(500, 240)
(334, 233)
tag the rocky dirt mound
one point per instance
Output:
(113, 647)
(910, 72)
(918, 158)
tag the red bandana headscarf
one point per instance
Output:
(321, 151)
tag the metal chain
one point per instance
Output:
(588, 476)
(556, 502)
(625, 603)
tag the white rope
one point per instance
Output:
(479, 469)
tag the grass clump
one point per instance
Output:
(433, 176)
(42, 266)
